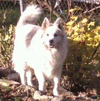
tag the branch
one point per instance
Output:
(95, 51)
(92, 9)
(44, 3)
(4, 82)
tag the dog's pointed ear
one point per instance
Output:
(45, 23)
(58, 23)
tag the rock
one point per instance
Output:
(57, 99)
(13, 76)
(40, 97)
(5, 72)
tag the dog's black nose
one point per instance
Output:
(51, 41)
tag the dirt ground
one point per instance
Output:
(17, 92)
(11, 90)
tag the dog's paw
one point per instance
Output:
(55, 93)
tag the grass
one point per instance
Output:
(9, 15)
(8, 19)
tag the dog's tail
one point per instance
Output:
(30, 15)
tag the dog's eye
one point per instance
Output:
(47, 34)
(55, 35)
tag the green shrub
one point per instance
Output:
(9, 17)
(84, 49)
(6, 44)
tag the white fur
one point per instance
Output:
(45, 59)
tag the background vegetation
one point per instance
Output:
(84, 50)
(82, 25)
(9, 16)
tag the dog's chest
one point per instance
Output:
(52, 62)
(53, 56)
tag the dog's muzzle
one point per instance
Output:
(51, 44)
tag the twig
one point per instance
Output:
(22, 6)
(92, 9)
(4, 82)
(95, 51)
(44, 3)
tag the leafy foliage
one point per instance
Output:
(84, 48)
(9, 17)
(6, 43)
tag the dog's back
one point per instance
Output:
(25, 30)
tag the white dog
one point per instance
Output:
(42, 48)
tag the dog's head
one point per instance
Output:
(53, 33)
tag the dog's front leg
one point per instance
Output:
(41, 80)
(56, 81)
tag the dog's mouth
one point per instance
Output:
(52, 46)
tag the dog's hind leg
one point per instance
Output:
(22, 77)
(21, 72)
(29, 78)
(20, 69)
